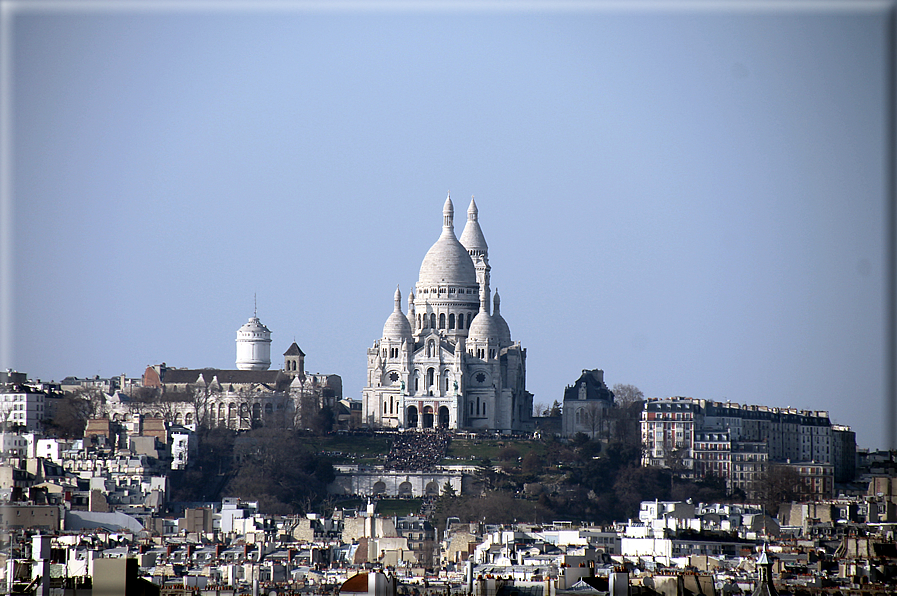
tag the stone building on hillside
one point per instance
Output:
(449, 362)
(739, 442)
(246, 397)
(586, 403)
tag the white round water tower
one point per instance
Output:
(253, 346)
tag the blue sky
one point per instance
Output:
(691, 199)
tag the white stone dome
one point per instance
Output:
(447, 261)
(397, 326)
(483, 328)
(504, 332)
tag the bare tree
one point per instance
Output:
(540, 409)
(626, 395)
(593, 419)
(201, 401)
(780, 484)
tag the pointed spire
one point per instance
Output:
(496, 302)
(448, 214)
(484, 300)
(765, 585)
(398, 299)
(472, 210)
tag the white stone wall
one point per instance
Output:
(394, 484)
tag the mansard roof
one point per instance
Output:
(595, 388)
(190, 376)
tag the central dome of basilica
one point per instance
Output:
(447, 261)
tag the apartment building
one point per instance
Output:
(701, 438)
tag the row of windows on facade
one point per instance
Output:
(21, 406)
(669, 416)
(431, 378)
(425, 321)
(444, 290)
(431, 351)
(393, 376)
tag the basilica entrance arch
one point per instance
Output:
(412, 417)
(443, 417)
(428, 417)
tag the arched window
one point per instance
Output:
(469, 319)
(461, 321)
(442, 320)
(452, 321)
(471, 408)
(384, 407)
(416, 383)
(446, 383)
(431, 377)
(433, 320)
(484, 408)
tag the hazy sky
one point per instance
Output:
(691, 199)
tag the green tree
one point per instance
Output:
(485, 474)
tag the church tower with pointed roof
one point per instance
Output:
(448, 362)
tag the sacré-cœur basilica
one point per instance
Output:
(449, 362)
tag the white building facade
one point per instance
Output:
(449, 362)
(21, 407)
(253, 345)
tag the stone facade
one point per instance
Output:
(385, 483)
(449, 362)
(235, 399)
(585, 406)
(737, 442)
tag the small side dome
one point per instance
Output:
(397, 326)
(483, 328)
(504, 332)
